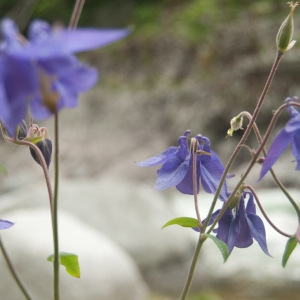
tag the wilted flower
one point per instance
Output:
(43, 73)
(290, 134)
(239, 226)
(177, 167)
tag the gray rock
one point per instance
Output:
(107, 272)
(251, 264)
(130, 214)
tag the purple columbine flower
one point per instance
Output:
(239, 226)
(4, 224)
(43, 73)
(290, 134)
(177, 167)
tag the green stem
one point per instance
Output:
(50, 194)
(238, 148)
(55, 209)
(73, 23)
(276, 179)
(226, 171)
(13, 272)
(194, 147)
(76, 13)
(192, 268)
(264, 213)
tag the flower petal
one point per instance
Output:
(278, 146)
(244, 238)
(257, 229)
(211, 170)
(64, 42)
(296, 148)
(18, 85)
(158, 159)
(172, 173)
(228, 229)
(250, 209)
(186, 185)
(4, 224)
(233, 233)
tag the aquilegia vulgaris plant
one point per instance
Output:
(40, 75)
(236, 224)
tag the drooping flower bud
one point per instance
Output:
(236, 123)
(285, 33)
(44, 144)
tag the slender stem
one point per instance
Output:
(226, 170)
(238, 147)
(55, 208)
(276, 179)
(194, 147)
(13, 272)
(73, 23)
(264, 213)
(192, 268)
(76, 13)
(48, 184)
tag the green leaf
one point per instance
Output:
(183, 221)
(289, 248)
(69, 261)
(221, 245)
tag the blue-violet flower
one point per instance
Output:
(239, 226)
(177, 167)
(290, 134)
(43, 73)
(4, 224)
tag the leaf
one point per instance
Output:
(69, 261)
(289, 248)
(221, 245)
(184, 222)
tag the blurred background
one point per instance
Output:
(187, 65)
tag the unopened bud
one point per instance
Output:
(44, 143)
(260, 160)
(236, 123)
(285, 34)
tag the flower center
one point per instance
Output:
(49, 97)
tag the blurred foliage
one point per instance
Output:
(192, 20)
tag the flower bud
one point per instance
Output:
(285, 33)
(260, 160)
(44, 143)
(236, 123)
